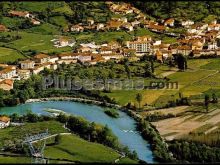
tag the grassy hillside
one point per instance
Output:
(74, 148)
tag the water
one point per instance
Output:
(123, 127)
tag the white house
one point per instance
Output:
(8, 73)
(100, 26)
(85, 57)
(77, 28)
(128, 27)
(187, 23)
(24, 74)
(213, 27)
(41, 58)
(53, 59)
(105, 50)
(27, 64)
(4, 121)
(212, 45)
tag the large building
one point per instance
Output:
(141, 47)
(27, 64)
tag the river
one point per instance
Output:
(123, 127)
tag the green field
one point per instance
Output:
(9, 55)
(200, 78)
(35, 41)
(74, 148)
(15, 160)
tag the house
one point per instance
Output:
(68, 56)
(173, 49)
(63, 41)
(90, 45)
(105, 50)
(100, 26)
(19, 14)
(37, 69)
(184, 49)
(84, 57)
(124, 19)
(76, 28)
(3, 28)
(35, 22)
(24, 73)
(96, 58)
(112, 56)
(67, 61)
(144, 38)
(141, 47)
(53, 59)
(4, 121)
(187, 23)
(115, 25)
(128, 11)
(197, 45)
(141, 16)
(212, 34)
(212, 45)
(157, 28)
(135, 23)
(90, 21)
(158, 42)
(53, 66)
(128, 26)
(8, 73)
(82, 49)
(41, 58)
(135, 10)
(213, 27)
(164, 46)
(169, 22)
(27, 64)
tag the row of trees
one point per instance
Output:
(94, 132)
(158, 146)
(192, 152)
(208, 100)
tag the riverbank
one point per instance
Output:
(75, 99)
(131, 113)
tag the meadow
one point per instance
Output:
(73, 148)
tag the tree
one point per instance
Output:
(206, 102)
(148, 70)
(127, 69)
(214, 98)
(139, 99)
(181, 62)
(152, 66)
(57, 139)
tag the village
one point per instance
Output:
(200, 39)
